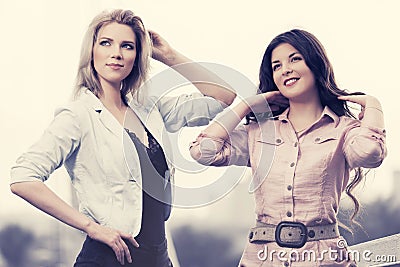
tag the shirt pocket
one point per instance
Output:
(263, 154)
(323, 139)
(326, 145)
(271, 140)
(316, 153)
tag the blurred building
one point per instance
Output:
(396, 186)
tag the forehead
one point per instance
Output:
(282, 51)
(117, 31)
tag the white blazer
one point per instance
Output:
(100, 157)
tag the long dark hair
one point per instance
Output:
(316, 59)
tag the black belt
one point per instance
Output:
(291, 234)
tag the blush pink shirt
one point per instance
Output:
(299, 177)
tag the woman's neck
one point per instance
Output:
(111, 97)
(303, 115)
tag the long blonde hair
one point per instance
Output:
(87, 75)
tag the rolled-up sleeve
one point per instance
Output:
(365, 146)
(188, 110)
(211, 151)
(57, 143)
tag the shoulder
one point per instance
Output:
(81, 106)
(74, 108)
(348, 122)
(344, 125)
(265, 124)
(73, 119)
(262, 130)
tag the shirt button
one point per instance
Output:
(289, 187)
(289, 214)
(278, 141)
(295, 144)
(292, 164)
(286, 263)
(317, 139)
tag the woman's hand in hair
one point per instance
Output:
(365, 101)
(161, 50)
(265, 102)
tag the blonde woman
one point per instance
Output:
(112, 149)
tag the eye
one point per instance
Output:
(276, 67)
(128, 46)
(296, 58)
(104, 43)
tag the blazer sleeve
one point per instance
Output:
(188, 110)
(58, 142)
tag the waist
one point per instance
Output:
(162, 246)
(291, 234)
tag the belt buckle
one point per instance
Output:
(303, 234)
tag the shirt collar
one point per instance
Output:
(327, 112)
(332, 115)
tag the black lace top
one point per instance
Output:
(156, 187)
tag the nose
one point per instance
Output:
(116, 53)
(286, 70)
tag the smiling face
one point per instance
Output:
(114, 53)
(291, 74)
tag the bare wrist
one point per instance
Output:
(170, 58)
(89, 226)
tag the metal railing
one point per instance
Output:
(383, 251)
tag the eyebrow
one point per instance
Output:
(124, 41)
(290, 56)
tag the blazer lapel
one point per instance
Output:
(110, 122)
(105, 116)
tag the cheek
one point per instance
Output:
(97, 57)
(277, 79)
(311, 78)
(131, 56)
(130, 60)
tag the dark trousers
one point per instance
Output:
(98, 254)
